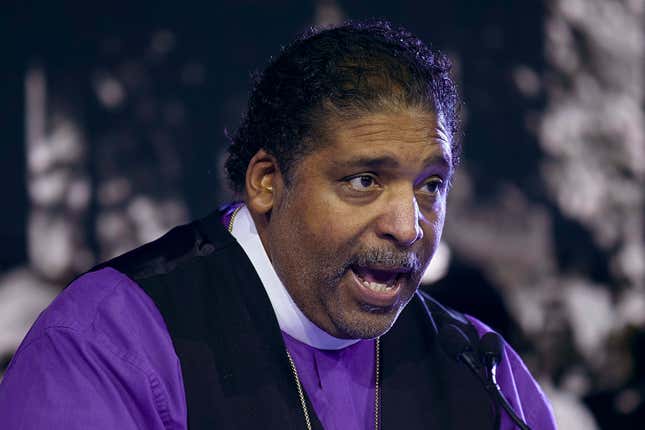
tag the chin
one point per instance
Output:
(355, 319)
(366, 323)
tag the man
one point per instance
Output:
(280, 311)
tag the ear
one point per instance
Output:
(262, 180)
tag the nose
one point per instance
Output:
(400, 220)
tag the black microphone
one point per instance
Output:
(491, 347)
(457, 345)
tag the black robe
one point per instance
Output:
(233, 359)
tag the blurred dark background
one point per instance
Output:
(113, 130)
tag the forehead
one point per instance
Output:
(410, 126)
(408, 137)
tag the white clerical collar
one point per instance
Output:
(290, 318)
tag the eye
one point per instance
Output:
(362, 182)
(432, 186)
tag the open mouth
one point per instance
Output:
(378, 286)
(378, 280)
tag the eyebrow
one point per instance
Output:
(387, 161)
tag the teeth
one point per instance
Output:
(375, 286)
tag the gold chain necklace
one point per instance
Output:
(232, 220)
(301, 394)
(303, 404)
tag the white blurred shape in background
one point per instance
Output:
(57, 183)
(22, 297)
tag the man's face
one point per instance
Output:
(354, 231)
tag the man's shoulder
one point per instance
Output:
(188, 268)
(101, 304)
(515, 380)
(100, 346)
(115, 289)
(179, 246)
(519, 385)
(117, 298)
(76, 306)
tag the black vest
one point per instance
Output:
(233, 359)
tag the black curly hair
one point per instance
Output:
(341, 72)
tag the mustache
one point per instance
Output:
(387, 259)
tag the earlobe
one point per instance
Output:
(261, 176)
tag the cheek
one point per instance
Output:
(326, 221)
(314, 233)
(435, 216)
(439, 220)
(330, 240)
(434, 226)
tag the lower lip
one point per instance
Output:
(381, 299)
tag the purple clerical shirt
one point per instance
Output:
(339, 383)
(100, 357)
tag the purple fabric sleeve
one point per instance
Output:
(519, 388)
(98, 357)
